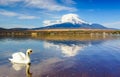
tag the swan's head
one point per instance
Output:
(29, 51)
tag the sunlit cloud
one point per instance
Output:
(65, 19)
(49, 22)
(14, 14)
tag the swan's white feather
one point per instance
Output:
(18, 56)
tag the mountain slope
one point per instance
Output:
(72, 21)
(73, 26)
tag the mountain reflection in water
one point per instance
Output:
(68, 48)
(62, 58)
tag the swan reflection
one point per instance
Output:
(19, 67)
(68, 50)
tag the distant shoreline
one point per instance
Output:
(18, 32)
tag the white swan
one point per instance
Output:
(21, 58)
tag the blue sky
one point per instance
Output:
(33, 13)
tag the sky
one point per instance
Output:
(35, 13)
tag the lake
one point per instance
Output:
(62, 58)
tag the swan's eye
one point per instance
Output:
(30, 51)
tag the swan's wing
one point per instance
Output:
(19, 56)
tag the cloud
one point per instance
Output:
(8, 13)
(113, 24)
(7, 2)
(49, 22)
(71, 18)
(17, 26)
(50, 5)
(27, 17)
(19, 16)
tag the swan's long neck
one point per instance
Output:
(27, 57)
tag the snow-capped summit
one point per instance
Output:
(71, 21)
(72, 18)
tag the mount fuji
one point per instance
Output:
(72, 21)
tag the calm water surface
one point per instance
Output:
(67, 58)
